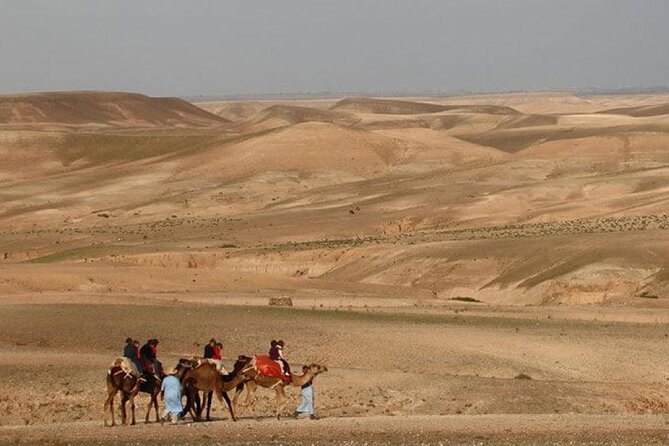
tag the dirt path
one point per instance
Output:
(459, 429)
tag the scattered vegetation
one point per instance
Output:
(565, 227)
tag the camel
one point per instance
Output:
(277, 384)
(207, 379)
(118, 380)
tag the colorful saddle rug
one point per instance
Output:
(268, 367)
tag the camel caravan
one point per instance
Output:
(139, 371)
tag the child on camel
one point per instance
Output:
(276, 354)
(284, 364)
(218, 359)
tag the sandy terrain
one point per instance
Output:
(424, 430)
(476, 270)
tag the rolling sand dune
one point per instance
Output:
(460, 264)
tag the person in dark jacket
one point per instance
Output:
(273, 351)
(209, 349)
(149, 357)
(131, 351)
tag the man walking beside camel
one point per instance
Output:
(307, 404)
(171, 395)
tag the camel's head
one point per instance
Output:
(184, 364)
(317, 368)
(188, 362)
(241, 364)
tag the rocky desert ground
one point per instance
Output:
(491, 269)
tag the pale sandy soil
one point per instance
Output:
(393, 362)
(424, 430)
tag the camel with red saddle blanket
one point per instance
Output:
(267, 373)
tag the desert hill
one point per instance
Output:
(386, 106)
(400, 107)
(640, 111)
(102, 109)
(280, 115)
(433, 197)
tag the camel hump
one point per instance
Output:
(126, 365)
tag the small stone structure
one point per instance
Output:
(281, 301)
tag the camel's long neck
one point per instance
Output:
(229, 385)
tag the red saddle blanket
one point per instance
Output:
(268, 367)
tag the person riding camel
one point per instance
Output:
(131, 351)
(209, 349)
(158, 364)
(128, 350)
(148, 354)
(273, 351)
(219, 359)
(212, 353)
(276, 354)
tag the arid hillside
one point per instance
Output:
(101, 109)
(508, 199)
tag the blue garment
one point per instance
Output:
(130, 351)
(307, 404)
(172, 388)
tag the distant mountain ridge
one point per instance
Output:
(81, 108)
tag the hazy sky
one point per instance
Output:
(208, 47)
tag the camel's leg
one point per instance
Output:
(189, 400)
(109, 404)
(210, 396)
(124, 399)
(202, 406)
(132, 409)
(285, 399)
(281, 401)
(148, 410)
(193, 403)
(200, 403)
(192, 400)
(221, 395)
(250, 391)
(239, 407)
(155, 406)
(229, 403)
